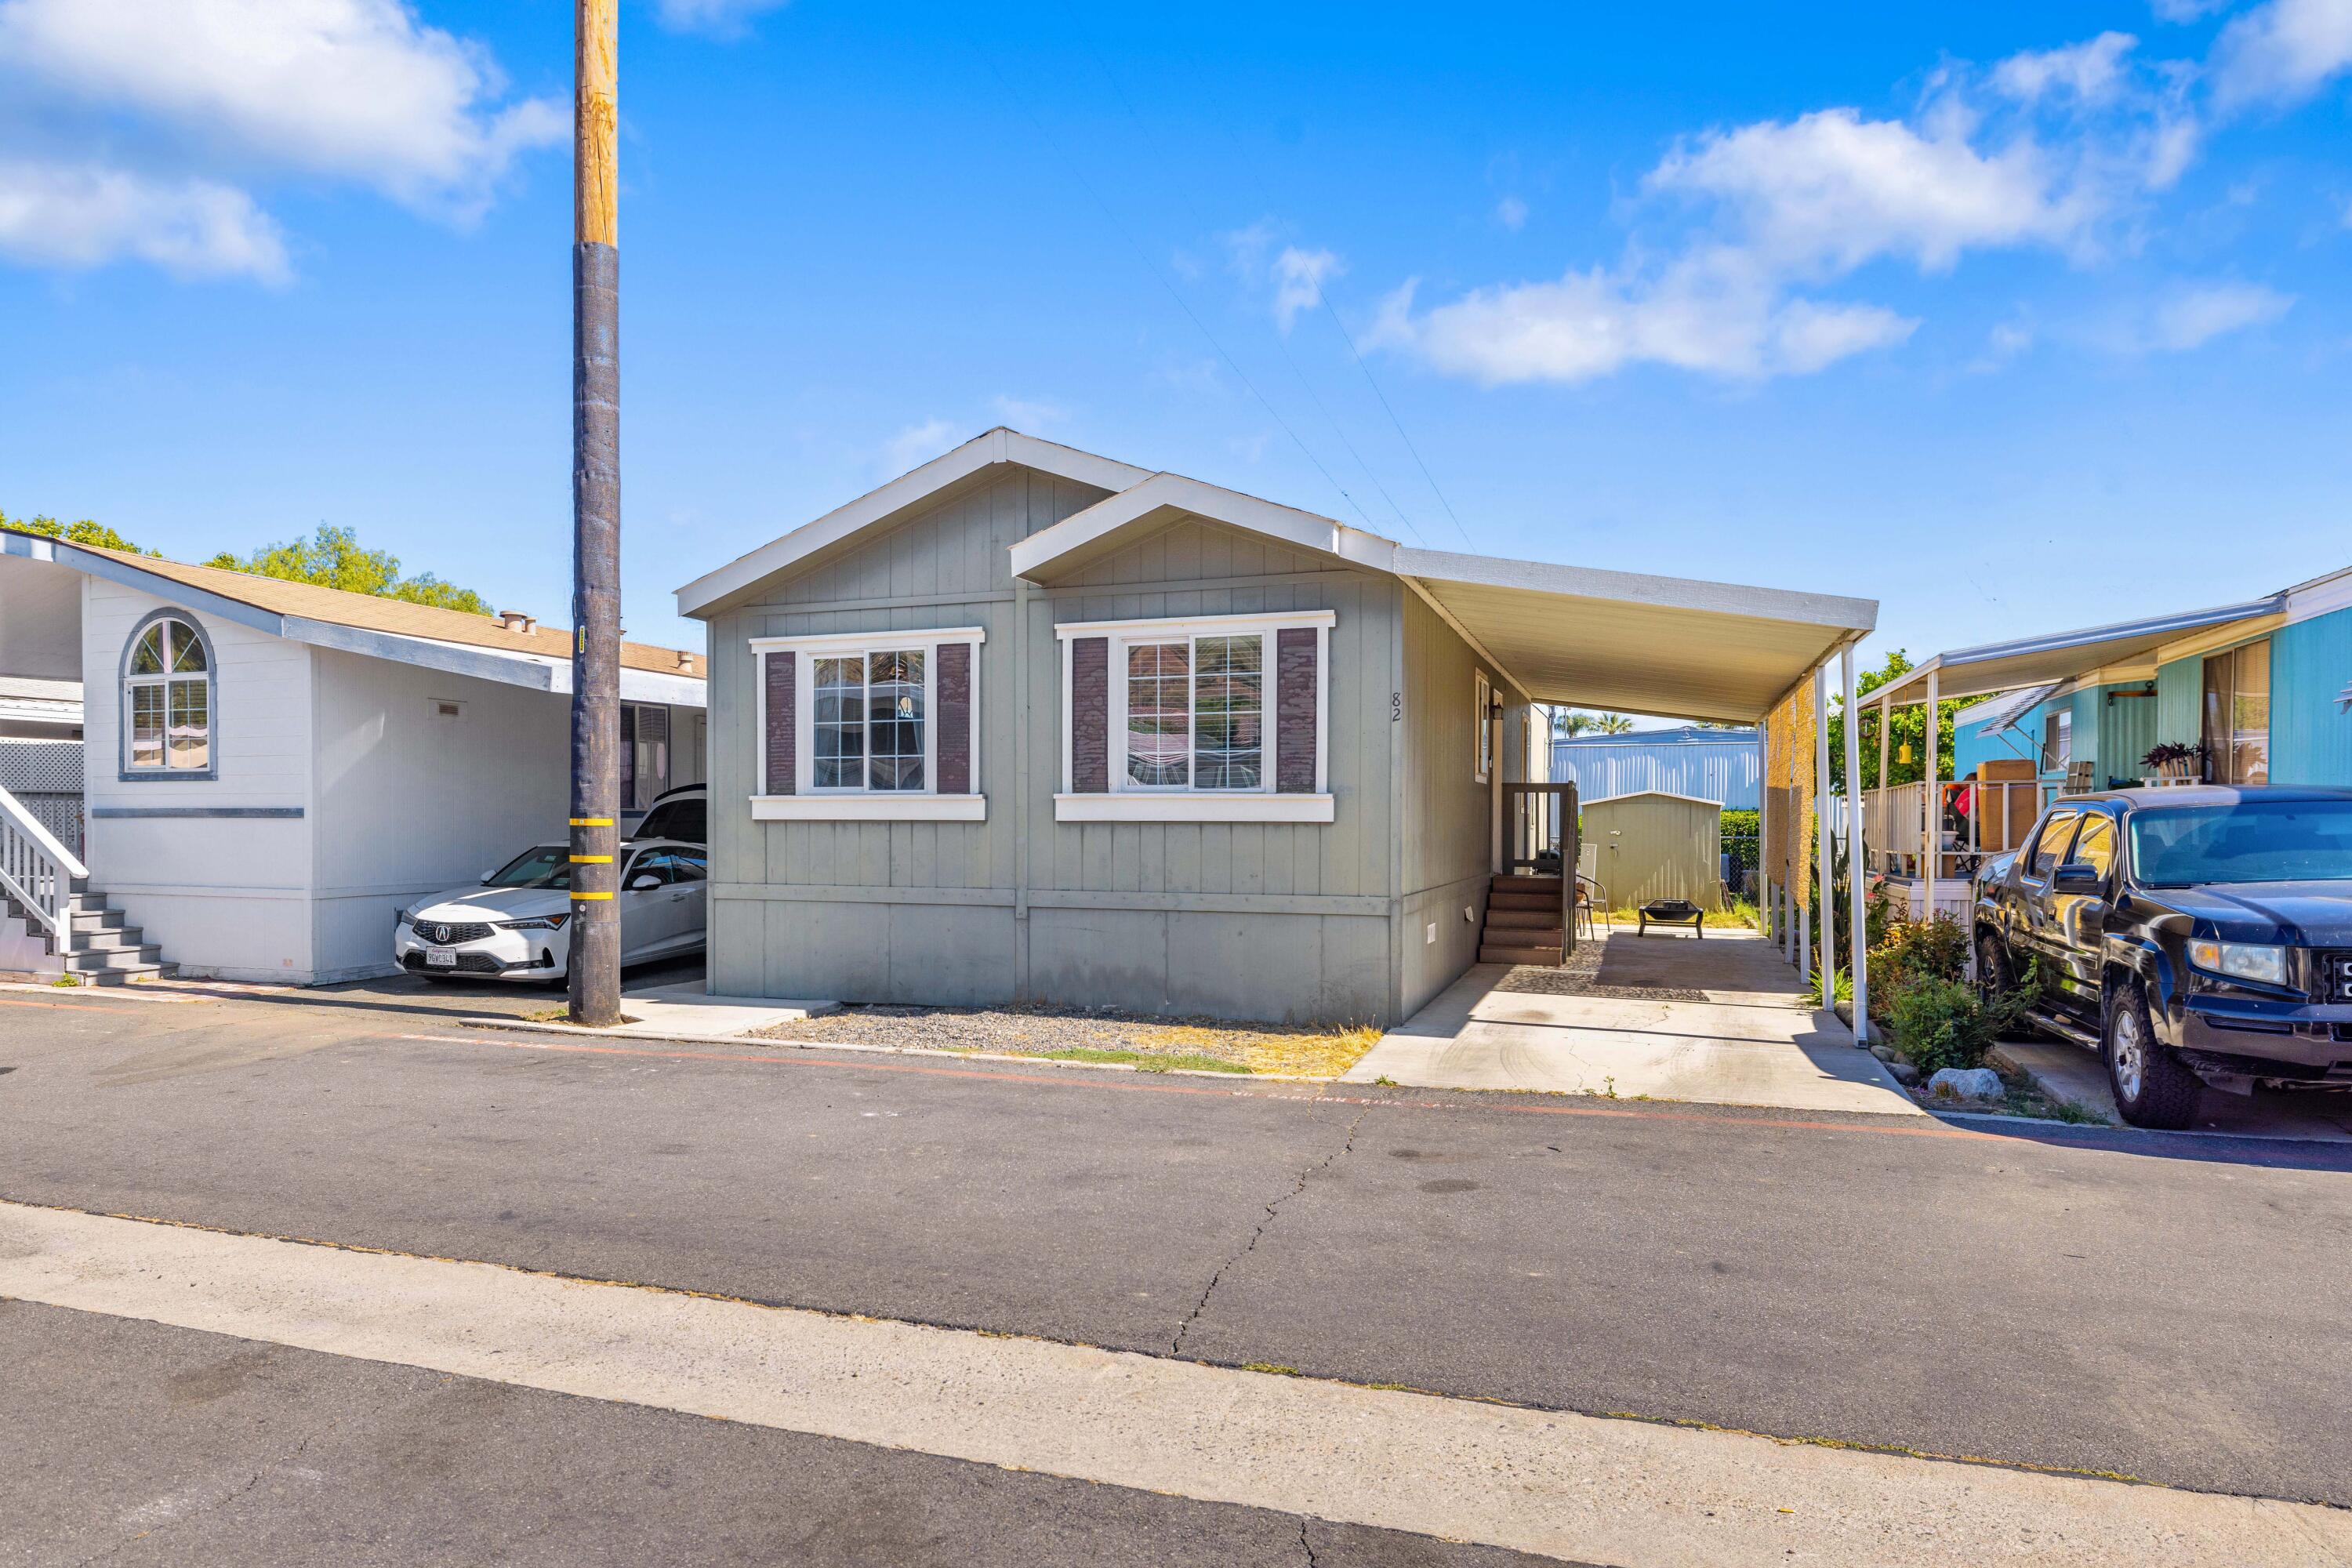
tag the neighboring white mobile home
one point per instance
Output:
(273, 769)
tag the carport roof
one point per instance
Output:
(2062, 656)
(1676, 646)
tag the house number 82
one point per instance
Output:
(1396, 706)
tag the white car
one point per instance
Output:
(517, 924)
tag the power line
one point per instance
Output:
(1153, 267)
(1201, 221)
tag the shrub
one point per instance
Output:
(1940, 1023)
(1934, 949)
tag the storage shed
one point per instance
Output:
(1653, 844)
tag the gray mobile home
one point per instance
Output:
(1031, 723)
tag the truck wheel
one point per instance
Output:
(2152, 1087)
(1995, 978)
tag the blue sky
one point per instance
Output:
(2013, 317)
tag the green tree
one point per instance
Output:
(1906, 727)
(1569, 722)
(335, 558)
(97, 535)
(1613, 725)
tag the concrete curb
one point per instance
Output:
(140, 993)
(679, 1037)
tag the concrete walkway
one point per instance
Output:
(1667, 1016)
(2068, 1073)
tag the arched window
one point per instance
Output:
(167, 701)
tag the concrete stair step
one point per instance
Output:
(107, 939)
(86, 962)
(103, 918)
(129, 974)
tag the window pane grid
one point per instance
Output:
(1196, 713)
(867, 722)
(167, 693)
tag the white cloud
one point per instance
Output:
(2005, 342)
(2090, 72)
(354, 89)
(2195, 317)
(722, 18)
(1298, 278)
(2178, 11)
(2282, 52)
(1831, 190)
(1716, 312)
(916, 444)
(86, 216)
(1511, 213)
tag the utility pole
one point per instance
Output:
(595, 975)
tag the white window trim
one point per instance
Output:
(1482, 760)
(1129, 802)
(808, 804)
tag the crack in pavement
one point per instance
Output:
(1347, 1144)
(226, 1500)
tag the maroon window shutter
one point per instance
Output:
(1091, 715)
(955, 717)
(1294, 711)
(781, 691)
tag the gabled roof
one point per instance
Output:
(367, 623)
(1670, 646)
(1653, 794)
(965, 465)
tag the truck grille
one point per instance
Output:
(441, 935)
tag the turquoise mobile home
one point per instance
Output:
(2260, 693)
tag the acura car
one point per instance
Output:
(517, 924)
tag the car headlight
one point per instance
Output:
(536, 922)
(2240, 961)
(404, 918)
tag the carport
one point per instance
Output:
(1722, 1019)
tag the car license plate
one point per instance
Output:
(440, 958)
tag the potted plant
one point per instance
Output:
(2175, 763)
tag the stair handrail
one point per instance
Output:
(37, 871)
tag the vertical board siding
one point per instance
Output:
(2179, 699)
(901, 946)
(1718, 766)
(1647, 847)
(2311, 730)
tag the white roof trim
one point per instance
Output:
(1583, 804)
(2083, 637)
(983, 451)
(1174, 492)
(1827, 610)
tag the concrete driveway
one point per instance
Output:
(1665, 1016)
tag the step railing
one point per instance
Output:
(39, 873)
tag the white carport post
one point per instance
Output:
(1822, 811)
(1857, 932)
(1932, 840)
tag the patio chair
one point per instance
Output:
(1587, 891)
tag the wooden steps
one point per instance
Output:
(1523, 921)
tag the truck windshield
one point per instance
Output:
(548, 865)
(2250, 841)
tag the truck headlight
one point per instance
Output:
(2240, 961)
(536, 922)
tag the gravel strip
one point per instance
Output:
(1581, 976)
(1313, 1050)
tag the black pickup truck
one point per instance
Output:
(2192, 936)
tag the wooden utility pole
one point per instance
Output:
(595, 976)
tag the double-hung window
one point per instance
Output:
(167, 702)
(875, 727)
(1207, 719)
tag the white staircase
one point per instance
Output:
(51, 924)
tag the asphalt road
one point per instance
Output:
(136, 1444)
(2089, 1300)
